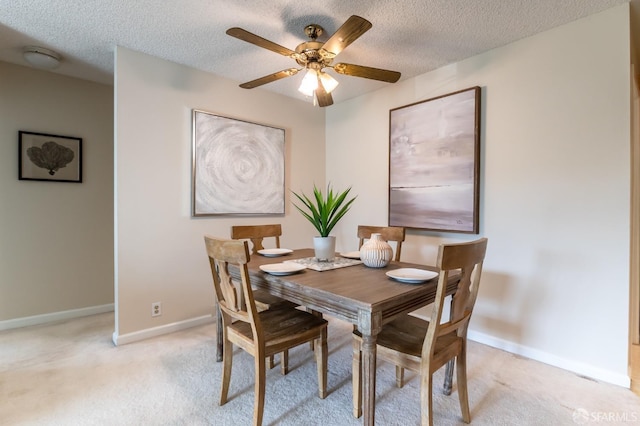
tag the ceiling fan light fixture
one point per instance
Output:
(42, 58)
(314, 56)
(329, 83)
(309, 83)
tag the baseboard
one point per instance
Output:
(54, 317)
(547, 358)
(122, 339)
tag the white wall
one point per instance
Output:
(160, 254)
(56, 238)
(554, 188)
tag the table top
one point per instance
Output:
(347, 292)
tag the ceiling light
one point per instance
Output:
(329, 83)
(309, 83)
(314, 79)
(42, 58)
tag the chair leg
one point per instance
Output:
(463, 394)
(399, 376)
(322, 355)
(227, 363)
(284, 362)
(426, 399)
(270, 362)
(356, 379)
(258, 405)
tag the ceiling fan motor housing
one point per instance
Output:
(309, 55)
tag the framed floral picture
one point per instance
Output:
(238, 167)
(434, 163)
(48, 157)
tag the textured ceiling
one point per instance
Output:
(410, 36)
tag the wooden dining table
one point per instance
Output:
(363, 296)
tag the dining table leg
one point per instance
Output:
(219, 339)
(369, 325)
(448, 371)
(448, 378)
(368, 378)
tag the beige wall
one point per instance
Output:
(160, 249)
(554, 188)
(56, 239)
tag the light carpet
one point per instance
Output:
(70, 373)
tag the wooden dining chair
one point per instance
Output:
(258, 333)
(425, 346)
(264, 300)
(256, 234)
(389, 233)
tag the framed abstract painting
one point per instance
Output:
(434, 163)
(238, 167)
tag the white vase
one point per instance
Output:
(325, 248)
(376, 253)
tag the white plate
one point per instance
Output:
(287, 268)
(351, 255)
(411, 275)
(275, 252)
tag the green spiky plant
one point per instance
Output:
(322, 211)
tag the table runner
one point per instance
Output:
(313, 263)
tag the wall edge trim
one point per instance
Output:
(582, 369)
(123, 339)
(55, 317)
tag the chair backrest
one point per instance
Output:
(466, 259)
(389, 233)
(235, 303)
(256, 233)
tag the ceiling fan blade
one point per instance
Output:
(269, 78)
(324, 98)
(353, 28)
(367, 72)
(245, 35)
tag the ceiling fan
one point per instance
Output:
(315, 57)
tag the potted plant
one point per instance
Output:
(324, 211)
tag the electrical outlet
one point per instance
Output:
(156, 309)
